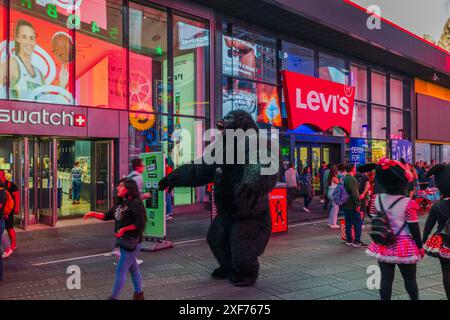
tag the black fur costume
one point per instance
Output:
(240, 232)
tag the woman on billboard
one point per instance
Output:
(24, 76)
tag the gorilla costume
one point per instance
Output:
(240, 232)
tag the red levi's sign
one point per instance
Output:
(321, 103)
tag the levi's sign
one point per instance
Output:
(42, 117)
(320, 103)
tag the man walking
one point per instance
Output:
(352, 208)
(291, 183)
(9, 221)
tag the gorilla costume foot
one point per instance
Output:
(242, 282)
(219, 273)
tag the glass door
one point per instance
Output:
(40, 192)
(104, 175)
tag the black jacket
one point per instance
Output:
(129, 213)
(440, 213)
(2, 202)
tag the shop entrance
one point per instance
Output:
(42, 168)
(311, 155)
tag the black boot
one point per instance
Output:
(239, 281)
(138, 296)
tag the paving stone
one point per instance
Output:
(312, 293)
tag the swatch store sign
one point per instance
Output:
(48, 120)
(320, 103)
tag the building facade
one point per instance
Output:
(100, 82)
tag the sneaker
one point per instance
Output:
(7, 253)
(359, 244)
(349, 244)
(169, 217)
(322, 201)
(139, 262)
(116, 252)
(334, 226)
(306, 209)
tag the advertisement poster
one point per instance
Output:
(191, 37)
(278, 210)
(357, 149)
(402, 149)
(155, 206)
(241, 97)
(239, 57)
(378, 150)
(269, 110)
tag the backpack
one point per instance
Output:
(340, 195)
(381, 231)
(8, 206)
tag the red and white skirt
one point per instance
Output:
(435, 247)
(403, 251)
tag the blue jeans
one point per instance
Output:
(352, 218)
(76, 188)
(169, 207)
(2, 228)
(127, 262)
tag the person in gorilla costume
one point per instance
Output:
(438, 244)
(240, 232)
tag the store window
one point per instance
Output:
(297, 59)
(101, 74)
(3, 64)
(378, 122)
(397, 124)
(396, 86)
(358, 79)
(332, 68)
(41, 60)
(378, 88)
(148, 56)
(436, 153)
(190, 66)
(359, 120)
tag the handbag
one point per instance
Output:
(127, 243)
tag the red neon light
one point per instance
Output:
(350, 2)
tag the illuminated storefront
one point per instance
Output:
(98, 82)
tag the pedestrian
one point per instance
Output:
(438, 245)
(363, 188)
(9, 221)
(137, 168)
(129, 214)
(341, 171)
(323, 168)
(169, 203)
(306, 188)
(77, 172)
(402, 218)
(332, 183)
(291, 183)
(2, 227)
(326, 203)
(352, 208)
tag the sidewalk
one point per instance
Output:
(308, 262)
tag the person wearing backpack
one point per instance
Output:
(351, 207)
(395, 228)
(438, 244)
(14, 197)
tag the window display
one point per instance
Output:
(269, 110)
(332, 68)
(241, 97)
(378, 122)
(297, 58)
(378, 150)
(3, 65)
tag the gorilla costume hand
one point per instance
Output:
(163, 184)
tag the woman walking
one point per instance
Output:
(405, 249)
(306, 190)
(129, 214)
(438, 244)
(332, 183)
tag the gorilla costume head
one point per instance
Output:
(237, 119)
(441, 173)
